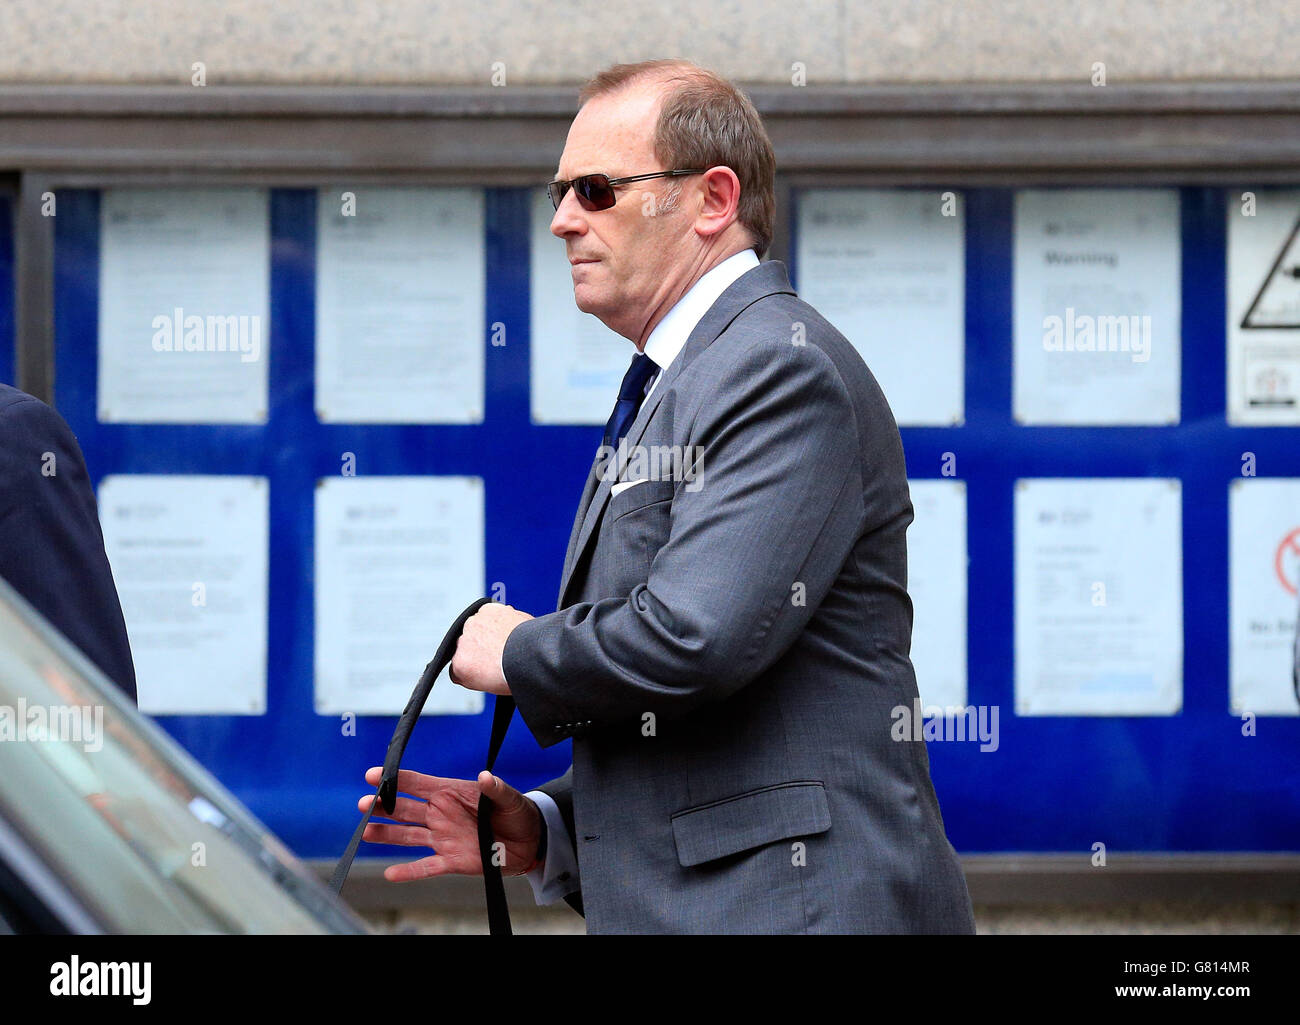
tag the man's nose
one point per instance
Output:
(568, 219)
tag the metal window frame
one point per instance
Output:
(963, 135)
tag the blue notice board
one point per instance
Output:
(1187, 782)
(8, 362)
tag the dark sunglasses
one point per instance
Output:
(596, 191)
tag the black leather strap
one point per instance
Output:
(493, 885)
(386, 792)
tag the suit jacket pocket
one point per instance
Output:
(636, 525)
(751, 819)
(639, 496)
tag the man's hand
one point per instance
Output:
(477, 662)
(443, 814)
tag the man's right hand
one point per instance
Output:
(443, 814)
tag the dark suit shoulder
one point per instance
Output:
(16, 405)
(11, 396)
(40, 459)
(28, 423)
(51, 545)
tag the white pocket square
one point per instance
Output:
(623, 485)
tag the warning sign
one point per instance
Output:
(1277, 303)
(1287, 562)
(1264, 307)
(1263, 594)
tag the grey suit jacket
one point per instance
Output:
(727, 651)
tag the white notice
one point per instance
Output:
(400, 279)
(189, 556)
(1264, 562)
(1098, 307)
(887, 267)
(1264, 307)
(577, 362)
(397, 560)
(936, 582)
(1098, 593)
(184, 305)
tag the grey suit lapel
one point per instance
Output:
(766, 279)
(583, 503)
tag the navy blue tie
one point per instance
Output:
(629, 398)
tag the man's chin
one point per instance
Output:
(586, 302)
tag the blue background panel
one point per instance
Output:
(1152, 783)
(1184, 782)
(8, 363)
(294, 768)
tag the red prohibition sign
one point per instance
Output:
(1289, 543)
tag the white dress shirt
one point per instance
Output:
(558, 875)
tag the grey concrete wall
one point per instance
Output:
(1146, 918)
(1012, 894)
(545, 41)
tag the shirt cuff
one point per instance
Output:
(558, 874)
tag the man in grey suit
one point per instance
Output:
(733, 628)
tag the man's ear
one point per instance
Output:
(721, 193)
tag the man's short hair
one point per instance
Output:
(705, 121)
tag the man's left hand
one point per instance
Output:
(477, 662)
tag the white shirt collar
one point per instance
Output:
(670, 334)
